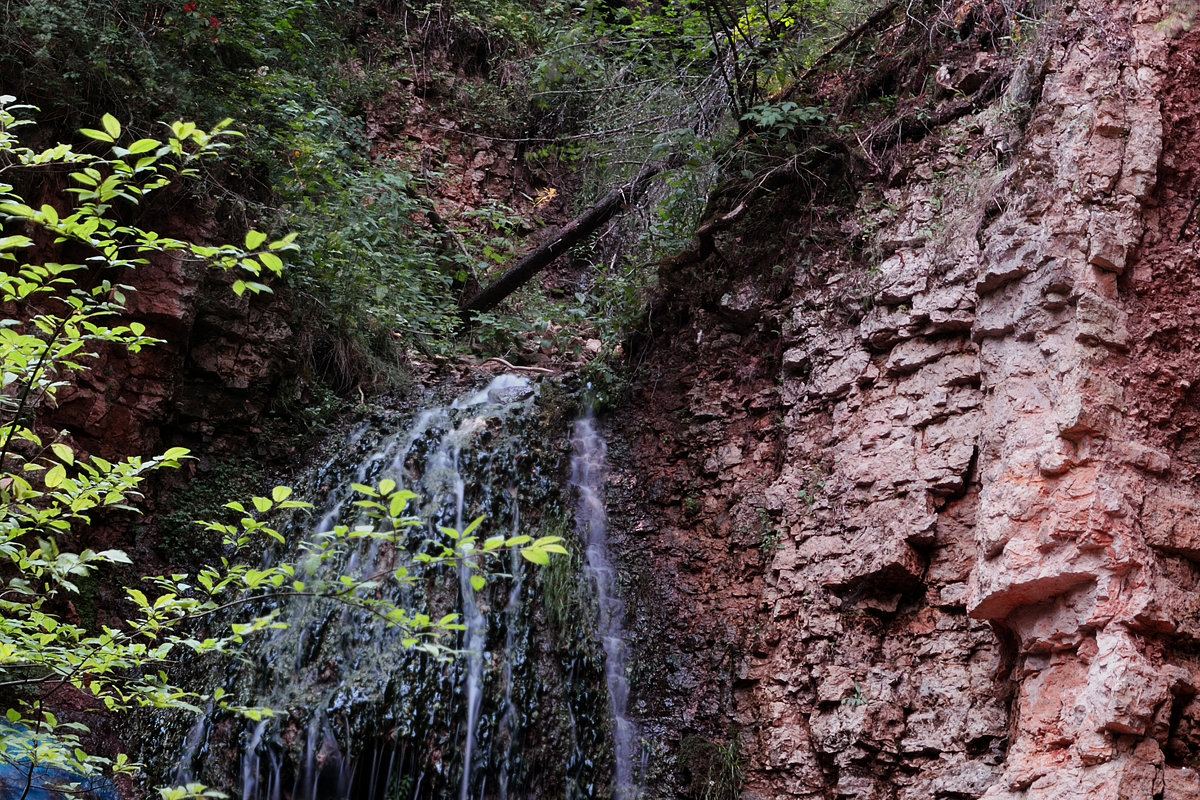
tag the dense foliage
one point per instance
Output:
(589, 93)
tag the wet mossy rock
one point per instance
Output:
(356, 708)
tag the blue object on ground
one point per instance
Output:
(48, 783)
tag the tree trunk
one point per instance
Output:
(571, 234)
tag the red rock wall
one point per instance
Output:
(974, 504)
(206, 385)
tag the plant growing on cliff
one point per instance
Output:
(715, 769)
(64, 312)
(60, 316)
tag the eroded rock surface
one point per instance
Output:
(953, 551)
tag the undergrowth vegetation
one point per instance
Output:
(586, 93)
(362, 117)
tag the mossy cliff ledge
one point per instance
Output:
(930, 504)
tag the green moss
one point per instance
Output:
(180, 539)
(85, 600)
(565, 594)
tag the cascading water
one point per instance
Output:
(521, 712)
(588, 473)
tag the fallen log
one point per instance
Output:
(567, 237)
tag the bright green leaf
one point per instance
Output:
(397, 505)
(284, 243)
(14, 242)
(271, 262)
(536, 555)
(254, 239)
(111, 126)
(55, 475)
(64, 453)
(143, 146)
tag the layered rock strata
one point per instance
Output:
(977, 512)
(218, 367)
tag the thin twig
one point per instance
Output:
(1188, 221)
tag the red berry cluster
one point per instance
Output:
(191, 8)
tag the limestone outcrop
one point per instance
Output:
(945, 543)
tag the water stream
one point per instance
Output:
(588, 474)
(524, 710)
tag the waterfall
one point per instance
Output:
(521, 711)
(588, 474)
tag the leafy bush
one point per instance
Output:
(155, 58)
(285, 70)
(47, 490)
(782, 120)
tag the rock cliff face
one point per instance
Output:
(947, 545)
(218, 367)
